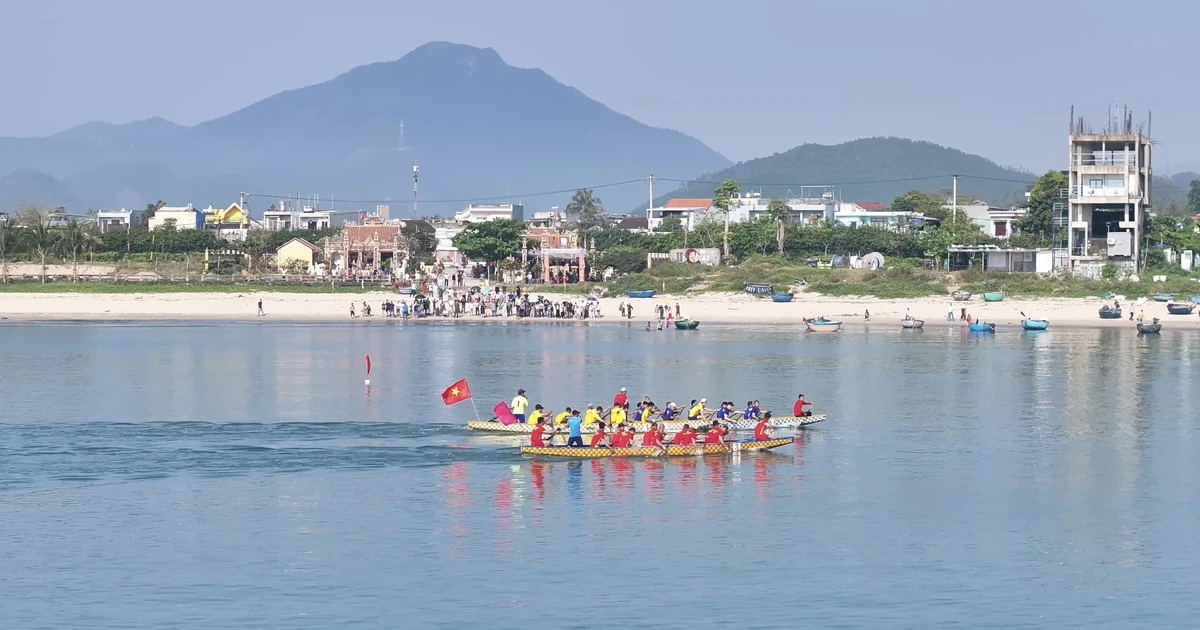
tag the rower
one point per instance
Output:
(751, 412)
(539, 431)
(519, 403)
(760, 429)
(592, 415)
(538, 413)
(698, 410)
(685, 437)
(563, 417)
(616, 415)
(621, 399)
(575, 430)
(798, 408)
(648, 410)
(599, 439)
(670, 411)
(654, 436)
(714, 435)
(725, 411)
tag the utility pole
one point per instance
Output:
(416, 169)
(954, 201)
(650, 208)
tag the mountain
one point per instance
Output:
(478, 127)
(24, 186)
(870, 169)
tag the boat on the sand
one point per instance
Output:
(993, 296)
(961, 296)
(1110, 312)
(758, 288)
(1164, 297)
(672, 426)
(1181, 308)
(669, 450)
(781, 297)
(640, 294)
(687, 324)
(912, 323)
(823, 325)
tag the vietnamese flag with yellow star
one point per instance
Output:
(457, 392)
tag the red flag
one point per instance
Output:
(457, 392)
(503, 413)
(368, 357)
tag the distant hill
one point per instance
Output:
(24, 186)
(477, 127)
(870, 169)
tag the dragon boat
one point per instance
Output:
(669, 450)
(672, 426)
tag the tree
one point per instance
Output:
(74, 240)
(670, 225)
(256, 245)
(1193, 200)
(151, 208)
(589, 208)
(921, 202)
(42, 239)
(491, 240)
(1046, 191)
(779, 212)
(9, 238)
(723, 201)
(422, 243)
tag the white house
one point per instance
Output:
(184, 217)
(869, 213)
(110, 220)
(445, 231)
(997, 222)
(306, 219)
(479, 212)
(689, 212)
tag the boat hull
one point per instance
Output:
(1194, 299)
(640, 294)
(1149, 329)
(781, 297)
(758, 289)
(1181, 308)
(670, 450)
(824, 327)
(961, 296)
(1110, 314)
(912, 323)
(673, 426)
(984, 328)
(1163, 297)
(993, 297)
(1035, 324)
(687, 324)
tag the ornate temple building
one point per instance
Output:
(372, 245)
(559, 250)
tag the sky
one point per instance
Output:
(748, 78)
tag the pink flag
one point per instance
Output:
(503, 414)
(368, 357)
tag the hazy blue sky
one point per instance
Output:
(748, 78)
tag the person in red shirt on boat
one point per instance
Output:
(599, 440)
(685, 437)
(715, 434)
(539, 436)
(760, 429)
(620, 439)
(654, 436)
(621, 399)
(798, 408)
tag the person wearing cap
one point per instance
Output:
(592, 415)
(539, 412)
(798, 408)
(621, 399)
(670, 411)
(698, 410)
(519, 403)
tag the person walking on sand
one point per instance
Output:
(950, 313)
(352, 315)
(260, 311)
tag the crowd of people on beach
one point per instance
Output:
(453, 303)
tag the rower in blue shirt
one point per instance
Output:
(670, 411)
(749, 413)
(723, 411)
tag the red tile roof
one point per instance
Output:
(688, 203)
(870, 206)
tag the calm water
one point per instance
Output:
(242, 476)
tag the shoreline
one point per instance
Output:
(710, 308)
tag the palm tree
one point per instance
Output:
(75, 239)
(779, 212)
(589, 208)
(9, 236)
(43, 240)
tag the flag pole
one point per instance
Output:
(472, 399)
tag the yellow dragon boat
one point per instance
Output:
(673, 426)
(669, 450)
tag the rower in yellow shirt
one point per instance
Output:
(592, 415)
(616, 416)
(538, 414)
(562, 417)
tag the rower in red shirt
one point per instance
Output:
(685, 437)
(598, 440)
(798, 408)
(539, 431)
(652, 437)
(620, 438)
(621, 400)
(714, 434)
(760, 429)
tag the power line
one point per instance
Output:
(464, 200)
(854, 183)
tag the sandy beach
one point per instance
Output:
(715, 308)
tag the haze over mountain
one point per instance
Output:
(476, 126)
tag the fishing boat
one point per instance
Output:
(673, 426)
(1152, 328)
(823, 325)
(669, 450)
(961, 296)
(1110, 312)
(781, 297)
(912, 323)
(1181, 308)
(981, 327)
(640, 294)
(993, 296)
(1035, 324)
(1194, 299)
(687, 324)
(1163, 297)
(758, 288)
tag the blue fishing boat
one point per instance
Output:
(1194, 299)
(758, 289)
(1181, 308)
(641, 294)
(1164, 297)
(1110, 312)
(781, 297)
(993, 296)
(1035, 324)
(1152, 328)
(982, 327)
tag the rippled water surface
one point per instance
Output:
(242, 476)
